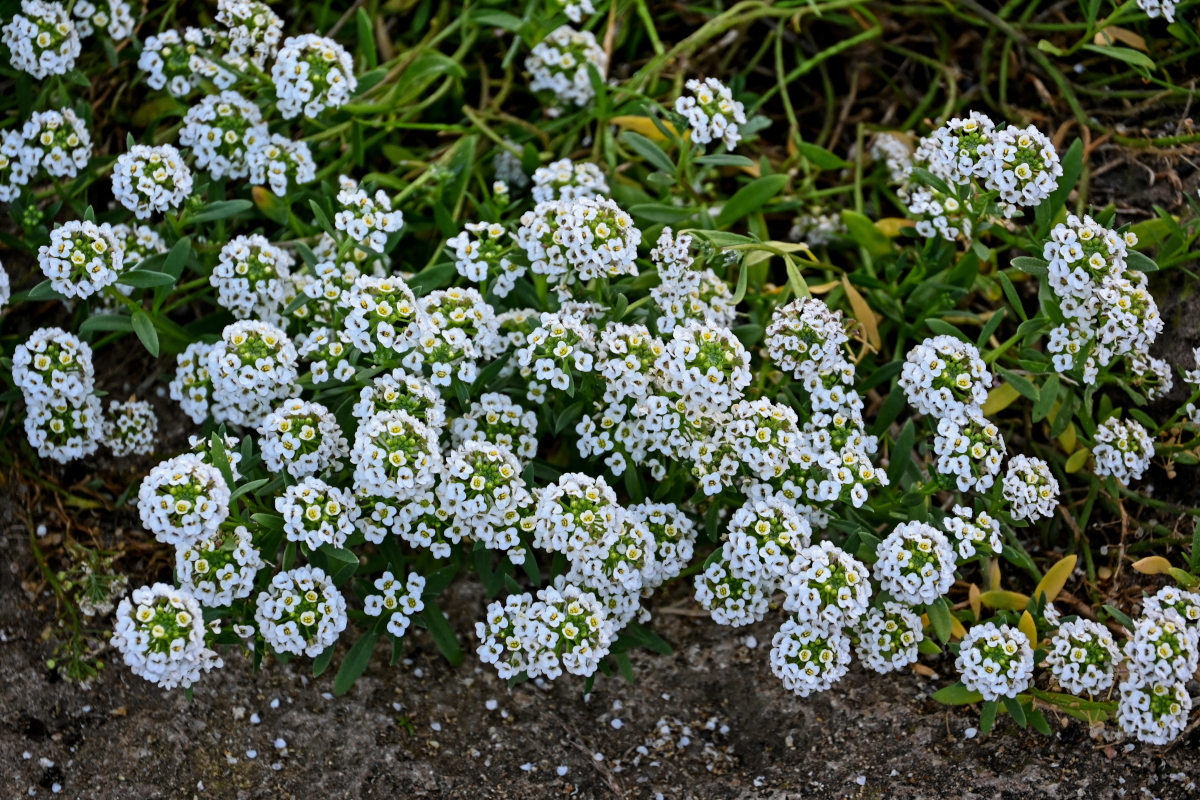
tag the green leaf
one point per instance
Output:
(1120, 616)
(819, 157)
(145, 279)
(987, 716)
(957, 695)
(939, 617)
(1128, 55)
(441, 632)
(1031, 265)
(366, 45)
(1045, 402)
(1010, 293)
(1013, 706)
(944, 328)
(722, 238)
(106, 322)
(750, 198)
(927, 647)
(1140, 261)
(723, 160)
(489, 18)
(1020, 383)
(248, 487)
(1038, 720)
(901, 453)
(625, 665)
(43, 291)
(865, 234)
(662, 213)
(321, 662)
(1072, 166)
(143, 326)
(177, 257)
(648, 150)
(355, 662)
(430, 278)
(221, 209)
(322, 219)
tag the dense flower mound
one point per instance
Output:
(302, 438)
(398, 602)
(42, 39)
(252, 366)
(566, 180)
(301, 612)
(179, 62)
(809, 657)
(916, 563)
(254, 29)
(149, 179)
(995, 660)
(183, 499)
(56, 142)
(312, 73)
(888, 637)
(1083, 657)
(130, 428)
(160, 633)
(711, 112)
(806, 338)
(82, 258)
(560, 63)
(220, 568)
(1123, 449)
(1153, 710)
(945, 378)
(282, 164)
(1030, 488)
(222, 130)
(827, 584)
(395, 455)
(252, 278)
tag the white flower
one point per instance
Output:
(57, 142)
(483, 253)
(399, 390)
(1155, 9)
(220, 568)
(568, 180)
(395, 455)
(159, 631)
(970, 451)
(53, 364)
(729, 599)
(367, 219)
(559, 352)
(130, 428)
(1153, 710)
(192, 386)
(282, 164)
(398, 601)
(1083, 657)
(303, 438)
(1123, 449)
(826, 585)
(944, 377)
(148, 179)
(252, 366)
(5, 288)
(1030, 488)
(301, 612)
(81, 258)
(995, 660)
(496, 418)
(252, 277)
(712, 112)
(1185, 604)
(763, 538)
(1026, 167)
(183, 499)
(179, 62)
(222, 130)
(64, 428)
(896, 154)
(315, 513)
(1163, 647)
(382, 316)
(114, 17)
(559, 65)
(806, 337)
(312, 73)
(457, 326)
(254, 29)
(576, 241)
(888, 637)
(14, 170)
(674, 535)
(42, 39)
(976, 535)
(915, 563)
(705, 365)
(481, 487)
(808, 656)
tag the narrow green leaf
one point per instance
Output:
(321, 662)
(648, 150)
(819, 157)
(221, 209)
(1013, 706)
(865, 234)
(106, 322)
(987, 716)
(366, 39)
(1020, 383)
(143, 326)
(957, 695)
(1045, 402)
(145, 279)
(355, 662)
(750, 198)
(441, 632)
(939, 617)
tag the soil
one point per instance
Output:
(709, 721)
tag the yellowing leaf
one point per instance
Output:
(643, 125)
(1056, 578)
(1152, 565)
(1002, 599)
(1069, 438)
(957, 631)
(973, 599)
(824, 288)
(993, 573)
(1027, 627)
(891, 226)
(862, 313)
(1115, 33)
(1077, 460)
(1000, 398)
(1185, 579)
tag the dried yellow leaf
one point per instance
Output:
(1000, 398)
(1056, 578)
(862, 313)
(1027, 627)
(1003, 599)
(1152, 565)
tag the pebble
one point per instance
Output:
(275, 703)
(437, 726)
(255, 719)
(751, 642)
(527, 766)
(251, 754)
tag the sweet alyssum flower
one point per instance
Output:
(252, 366)
(565, 179)
(945, 377)
(481, 486)
(558, 352)
(328, 356)
(711, 112)
(1185, 604)
(559, 65)
(14, 172)
(254, 29)
(179, 62)
(367, 219)
(1083, 657)
(706, 365)
(251, 278)
(191, 386)
(995, 660)
(808, 656)
(315, 513)
(57, 142)
(1123, 449)
(382, 315)
(1026, 167)
(395, 455)
(42, 39)
(81, 258)
(1158, 8)
(303, 438)
(496, 418)
(148, 179)
(826, 584)
(483, 253)
(183, 499)
(674, 535)
(113, 17)
(400, 390)
(222, 130)
(160, 633)
(53, 364)
(220, 568)
(1030, 488)
(457, 327)
(399, 601)
(130, 428)
(282, 164)
(970, 450)
(806, 338)
(64, 428)
(764, 537)
(301, 612)
(888, 637)
(1163, 647)
(975, 534)
(312, 73)
(1153, 710)
(915, 563)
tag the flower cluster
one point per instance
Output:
(806, 338)
(1030, 488)
(395, 455)
(219, 568)
(565, 180)
(970, 451)
(130, 428)
(1083, 657)
(81, 258)
(312, 73)
(315, 513)
(180, 62)
(159, 631)
(254, 30)
(888, 637)
(686, 292)
(809, 657)
(557, 352)
(559, 65)
(1123, 449)
(497, 419)
(945, 377)
(1158, 8)
(366, 219)
(577, 241)
(302, 438)
(995, 660)
(53, 369)
(916, 563)
(711, 112)
(400, 602)
(826, 584)
(183, 500)
(42, 39)
(975, 534)
(301, 612)
(483, 253)
(282, 164)
(57, 142)
(251, 278)
(252, 367)
(222, 130)
(148, 179)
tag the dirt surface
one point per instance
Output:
(708, 722)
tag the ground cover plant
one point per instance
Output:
(545, 298)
